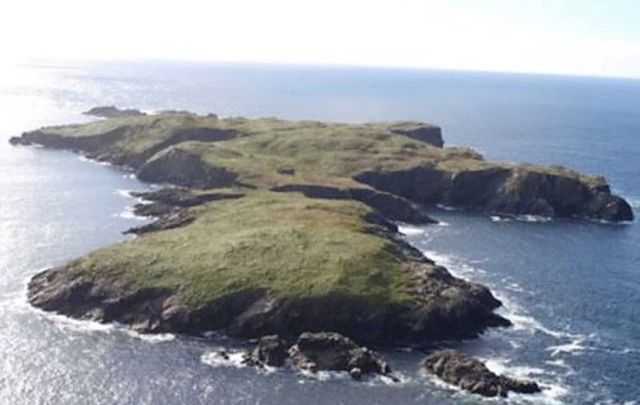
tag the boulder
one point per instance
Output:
(271, 351)
(472, 375)
(334, 352)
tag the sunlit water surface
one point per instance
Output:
(572, 288)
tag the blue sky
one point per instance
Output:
(583, 37)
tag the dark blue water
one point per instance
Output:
(572, 288)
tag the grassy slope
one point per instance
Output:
(286, 243)
(321, 153)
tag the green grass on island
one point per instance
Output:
(287, 244)
(321, 153)
(274, 253)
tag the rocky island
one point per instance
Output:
(276, 227)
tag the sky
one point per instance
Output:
(576, 37)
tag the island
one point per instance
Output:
(271, 227)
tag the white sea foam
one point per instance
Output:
(497, 218)
(560, 363)
(515, 287)
(399, 379)
(553, 390)
(410, 230)
(448, 208)
(533, 218)
(128, 213)
(97, 162)
(504, 366)
(455, 266)
(577, 344)
(151, 337)
(553, 394)
(523, 321)
(232, 358)
(124, 193)
(325, 375)
(88, 326)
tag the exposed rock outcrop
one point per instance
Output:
(328, 351)
(184, 168)
(170, 205)
(424, 302)
(428, 134)
(324, 256)
(184, 198)
(390, 205)
(168, 219)
(448, 308)
(113, 112)
(382, 156)
(270, 351)
(87, 144)
(314, 352)
(504, 190)
(472, 375)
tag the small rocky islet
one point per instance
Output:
(286, 231)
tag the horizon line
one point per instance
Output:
(52, 62)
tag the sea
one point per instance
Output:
(570, 287)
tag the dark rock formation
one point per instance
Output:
(83, 297)
(113, 112)
(286, 169)
(170, 206)
(424, 133)
(19, 140)
(332, 351)
(183, 168)
(91, 144)
(504, 190)
(450, 176)
(449, 308)
(472, 375)
(392, 206)
(185, 198)
(270, 351)
(155, 209)
(380, 291)
(168, 219)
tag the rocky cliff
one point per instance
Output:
(392, 164)
(271, 263)
(283, 227)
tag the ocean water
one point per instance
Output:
(572, 288)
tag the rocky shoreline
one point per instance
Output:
(440, 306)
(285, 231)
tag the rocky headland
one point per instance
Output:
(276, 227)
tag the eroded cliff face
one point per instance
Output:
(185, 168)
(460, 311)
(289, 230)
(379, 291)
(390, 165)
(504, 190)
